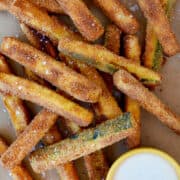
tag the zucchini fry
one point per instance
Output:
(105, 60)
(155, 15)
(87, 24)
(135, 90)
(113, 38)
(15, 106)
(119, 15)
(153, 56)
(39, 19)
(83, 143)
(49, 5)
(133, 51)
(95, 163)
(53, 71)
(38, 94)
(24, 143)
(66, 171)
(4, 5)
(18, 172)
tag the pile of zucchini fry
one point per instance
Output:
(64, 68)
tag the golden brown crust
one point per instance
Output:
(39, 19)
(96, 165)
(15, 106)
(155, 14)
(113, 38)
(128, 84)
(98, 56)
(28, 139)
(119, 15)
(4, 4)
(49, 5)
(33, 92)
(67, 171)
(53, 71)
(88, 25)
(18, 172)
(132, 51)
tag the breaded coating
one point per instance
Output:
(38, 94)
(103, 59)
(87, 24)
(132, 51)
(24, 143)
(51, 70)
(83, 143)
(18, 172)
(96, 165)
(153, 55)
(118, 13)
(15, 106)
(4, 4)
(49, 5)
(155, 15)
(113, 38)
(39, 19)
(134, 89)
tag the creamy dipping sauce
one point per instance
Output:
(145, 166)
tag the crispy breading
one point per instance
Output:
(38, 94)
(153, 56)
(15, 106)
(113, 38)
(51, 70)
(105, 60)
(87, 24)
(49, 5)
(24, 143)
(155, 15)
(118, 13)
(83, 143)
(39, 19)
(18, 172)
(4, 4)
(134, 89)
(96, 165)
(132, 51)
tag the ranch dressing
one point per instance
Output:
(145, 166)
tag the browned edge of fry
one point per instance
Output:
(127, 84)
(119, 14)
(88, 25)
(155, 14)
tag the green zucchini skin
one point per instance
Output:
(83, 143)
(105, 60)
(153, 57)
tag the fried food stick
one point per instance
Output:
(39, 19)
(53, 71)
(24, 143)
(135, 90)
(83, 143)
(66, 171)
(119, 15)
(15, 106)
(87, 24)
(103, 59)
(153, 56)
(18, 172)
(133, 51)
(38, 94)
(95, 163)
(155, 14)
(49, 5)
(113, 38)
